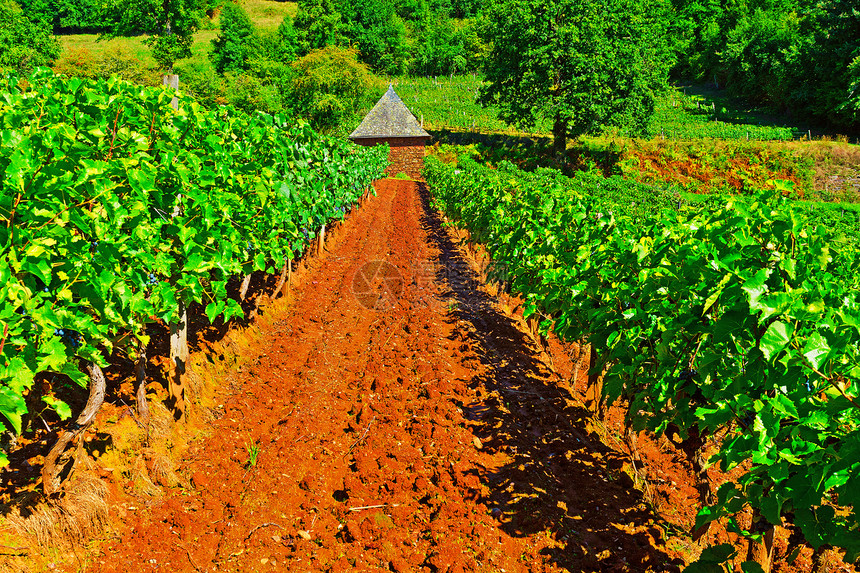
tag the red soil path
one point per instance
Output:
(425, 434)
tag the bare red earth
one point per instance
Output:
(402, 423)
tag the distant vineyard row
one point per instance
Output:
(739, 320)
(118, 211)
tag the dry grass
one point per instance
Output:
(267, 15)
(91, 43)
(73, 520)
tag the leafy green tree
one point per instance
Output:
(377, 32)
(284, 45)
(318, 24)
(24, 44)
(236, 41)
(443, 48)
(329, 85)
(66, 15)
(760, 56)
(827, 85)
(582, 64)
(168, 24)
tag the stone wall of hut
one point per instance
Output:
(406, 154)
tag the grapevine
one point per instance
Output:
(741, 320)
(117, 211)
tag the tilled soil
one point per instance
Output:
(395, 419)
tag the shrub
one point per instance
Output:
(235, 43)
(330, 85)
(114, 61)
(24, 44)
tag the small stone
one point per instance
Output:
(496, 512)
(305, 535)
(477, 443)
(264, 560)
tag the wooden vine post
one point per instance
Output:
(178, 362)
(762, 551)
(243, 289)
(281, 286)
(595, 380)
(140, 381)
(179, 328)
(61, 458)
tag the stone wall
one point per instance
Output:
(406, 154)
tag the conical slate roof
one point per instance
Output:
(389, 118)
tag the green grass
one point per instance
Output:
(265, 14)
(709, 115)
(446, 102)
(91, 43)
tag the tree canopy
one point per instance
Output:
(235, 42)
(330, 84)
(168, 24)
(24, 44)
(583, 64)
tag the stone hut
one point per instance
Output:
(391, 122)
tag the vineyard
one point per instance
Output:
(735, 328)
(476, 373)
(120, 212)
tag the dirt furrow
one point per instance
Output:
(392, 418)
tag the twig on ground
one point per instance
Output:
(367, 429)
(191, 559)
(380, 506)
(267, 524)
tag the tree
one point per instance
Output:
(66, 16)
(169, 25)
(582, 64)
(24, 44)
(318, 24)
(235, 43)
(444, 48)
(329, 85)
(377, 32)
(284, 45)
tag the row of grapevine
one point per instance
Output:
(736, 325)
(118, 210)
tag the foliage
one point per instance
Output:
(236, 40)
(116, 60)
(283, 45)
(119, 210)
(168, 24)
(329, 85)
(581, 64)
(739, 320)
(24, 44)
(374, 28)
(318, 24)
(444, 48)
(65, 15)
(795, 55)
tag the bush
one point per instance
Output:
(330, 85)
(24, 44)
(66, 16)
(318, 24)
(445, 49)
(235, 43)
(115, 61)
